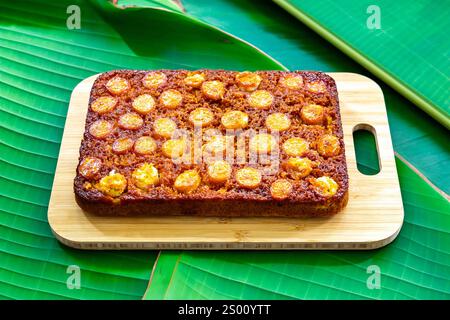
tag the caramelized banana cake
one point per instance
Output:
(212, 143)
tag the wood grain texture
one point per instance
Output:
(372, 218)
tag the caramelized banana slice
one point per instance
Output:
(248, 177)
(171, 99)
(201, 117)
(174, 148)
(145, 176)
(295, 147)
(234, 120)
(299, 167)
(112, 185)
(312, 114)
(328, 146)
(194, 79)
(143, 104)
(164, 127)
(153, 80)
(122, 145)
(248, 81)
(317, 87)
(214, 90)
(262, 143)
(104, 104)
(219, 171)
(278, 122)
(145, 145)
(325, 186)
(130, 121)
(100, 129)
(117, 85)
(217, 144)
(260, 99)
(281, 189)
(89, 167)
(293, 82)
(188, 181)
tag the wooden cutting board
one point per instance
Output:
(372, 218)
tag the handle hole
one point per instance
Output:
(367, 159)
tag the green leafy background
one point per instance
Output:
(42, 61)
(409, 50)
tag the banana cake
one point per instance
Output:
(212, 143)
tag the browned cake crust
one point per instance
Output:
(116, 176)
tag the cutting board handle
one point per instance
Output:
(366, 113)
(371, 129)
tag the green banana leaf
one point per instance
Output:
(405, 43)
(41, 63)
(171, 5)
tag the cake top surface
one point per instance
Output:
(212, 134)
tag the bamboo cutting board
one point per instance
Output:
(372, 218)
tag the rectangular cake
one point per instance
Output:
(212, 143)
